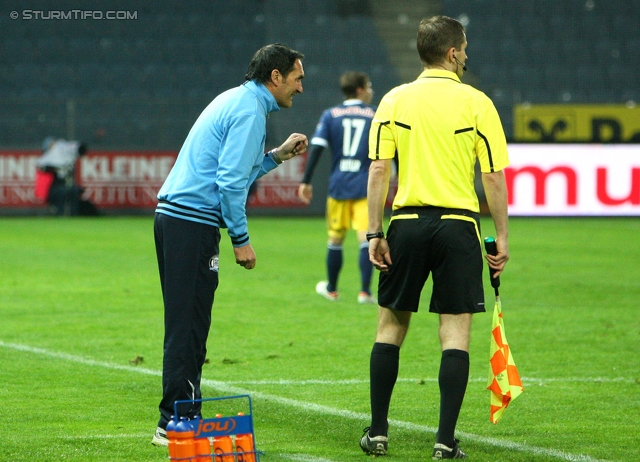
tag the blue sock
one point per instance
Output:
(334, 265)
(366, 268)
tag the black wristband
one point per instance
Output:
(378, 235)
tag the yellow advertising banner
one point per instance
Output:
(577, 122)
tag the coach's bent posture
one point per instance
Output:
(206, 190)
(438, 127)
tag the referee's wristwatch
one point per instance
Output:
(378, 235)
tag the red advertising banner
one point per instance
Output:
(543, 179)
(124, 179)
(279, 188)
(574, 179)
(111, 179)
(131, 179)
(17, 178)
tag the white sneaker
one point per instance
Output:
(321, 289)
(364, 297)
(160, 438)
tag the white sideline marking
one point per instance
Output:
(525, 380)
(227, 388)
(303, 458)
(104, 437)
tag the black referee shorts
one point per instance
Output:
(443, 242)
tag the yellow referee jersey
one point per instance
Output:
(438, 126)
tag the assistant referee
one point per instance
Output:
(437, 127)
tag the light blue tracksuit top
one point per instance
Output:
(221, 157)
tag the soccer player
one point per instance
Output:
(207, 190)
(345, 129)
(437, 127)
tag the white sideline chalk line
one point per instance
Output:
(303, 458)
(227, 388)
(104, 437)
(525, 380)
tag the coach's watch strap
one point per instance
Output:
(378, 235)
(274, 156)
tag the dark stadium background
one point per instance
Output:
(140, 82)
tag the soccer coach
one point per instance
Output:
(207, 190)
(438, 127)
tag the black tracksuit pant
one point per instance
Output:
(187, 255)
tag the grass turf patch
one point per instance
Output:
(80, 304)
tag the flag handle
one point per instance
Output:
(492, 249)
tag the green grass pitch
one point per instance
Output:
(80, 301)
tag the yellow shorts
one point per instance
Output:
(343, 215)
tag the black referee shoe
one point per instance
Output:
(441, 451)
(376, 446)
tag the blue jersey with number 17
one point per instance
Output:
(345, 130)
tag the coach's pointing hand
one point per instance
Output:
(296, 144)
(245, 256)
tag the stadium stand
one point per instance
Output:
(549, 51)
(141, 82)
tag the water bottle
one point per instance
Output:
(223, 444)
(245, 446)
(203, 450)
(171, 435)
(185, 447)
(223, 448)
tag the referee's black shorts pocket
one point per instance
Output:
(457, 279)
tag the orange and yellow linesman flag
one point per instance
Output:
(504, 380)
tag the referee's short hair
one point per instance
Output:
(436, 35)
(270, 57)
(350, 81)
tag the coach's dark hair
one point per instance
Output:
(270, 57)
(350, 81)
(436, 35)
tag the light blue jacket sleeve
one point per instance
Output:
(240, 149)
(268, 164)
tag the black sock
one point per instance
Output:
(334, 265)
(366, 268)
(383, 370)
(453, 378)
